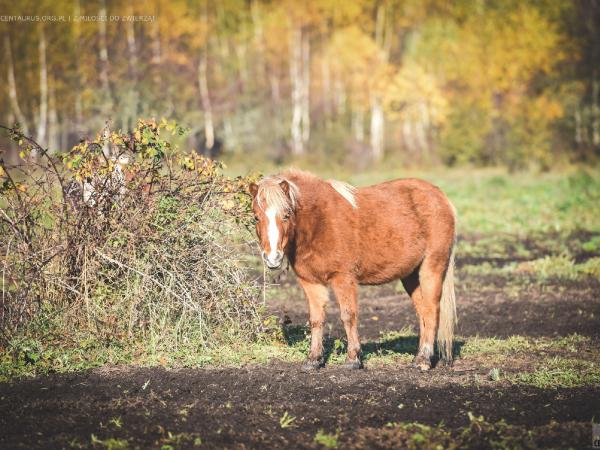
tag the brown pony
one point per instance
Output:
(336, 235)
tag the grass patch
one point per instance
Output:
(479, 433)
(542, 270)
(562, 372)
(327, 440)
(30, 358)
(475, 346)
(492, 201)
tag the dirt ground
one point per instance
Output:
(247, 407)
(241, 408)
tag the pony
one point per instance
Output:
(335, 235)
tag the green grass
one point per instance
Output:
(477, 346)
(541, 270)
(562, 372)
(327, 440)
(493, 201)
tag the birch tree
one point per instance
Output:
(12, 86)
(43, 108)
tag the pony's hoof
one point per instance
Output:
(311, 365)
(353, 364)
(422, 363)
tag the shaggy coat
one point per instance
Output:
(336, 235)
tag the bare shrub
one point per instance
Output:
(125, 238)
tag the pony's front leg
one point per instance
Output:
(346, 293)
(317, 297)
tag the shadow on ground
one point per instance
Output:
(299, 336)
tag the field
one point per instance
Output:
(526, 373)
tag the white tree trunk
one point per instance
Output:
(78, 77)
(578, 126)
(104, 63)
(595, 110)
(407, 136)
(275, 93)
(240, 51)
(380, 24)
(43, 112)
(358, 127)
(422, 128)
(156, 47)
(230, 137)
(12, 87)
(209, 130)
(259, 40)
(340, 96)
(297, 90)
(326, 85)
(377, 129)
(133, 63)
(305, 88)
(53, 131)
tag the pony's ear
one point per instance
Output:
(253, 189)
(285, 187)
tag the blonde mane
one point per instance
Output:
(270, 190)
(345, 190)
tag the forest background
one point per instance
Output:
(320, 83)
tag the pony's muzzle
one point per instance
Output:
(273, 262)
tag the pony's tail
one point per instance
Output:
(445, 334)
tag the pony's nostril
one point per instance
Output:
(264, 255)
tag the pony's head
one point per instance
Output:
(274, 206)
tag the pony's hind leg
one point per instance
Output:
(346, 292)
(317, 297)
(425, 289)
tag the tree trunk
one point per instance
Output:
(578, 133)
(258, 41)
(297, 90)
(230, 137)
(156, 47)
(240, 51)
(78, 81)
(275, 94)
(340, 96)
(133, 63)
(382, 39)
(53, 122)
(104, 63)
(595, 110)
(12, 87)
(422, 127)
(305, 88)
(358, 128)
(209, 131)
(326, 84)
(377, 129)
(407, 136)
(380, 24)
(43, 113)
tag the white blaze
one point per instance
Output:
(272, 233)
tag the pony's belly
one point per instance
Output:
(380, 272)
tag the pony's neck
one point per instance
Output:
(308, 221)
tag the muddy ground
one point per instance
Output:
(247, 407)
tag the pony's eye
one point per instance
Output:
(256, 219)
(285, 218)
